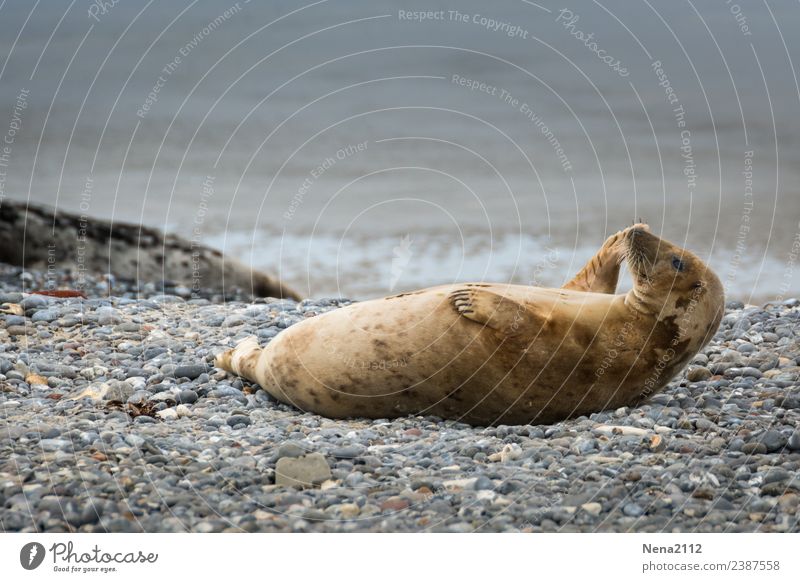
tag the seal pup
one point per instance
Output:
(489, 354)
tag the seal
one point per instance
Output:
(489, 354)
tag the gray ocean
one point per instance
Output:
(362, 148)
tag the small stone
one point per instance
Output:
(305, 471)
(592, 508)
(34, 302)
(96, 391)
(509, 452)
(754, 448)
(743, 372)
(128, 327)
(235, 419)
(134, 440)
(774, 489)
(191, 372)
(13, 297)
(773, 441)
(584, 446)
(187, 397)
(348, 510)
(15, 320)
(118, 391)
(777, 475)
(47, 315)
(234, 320)
(703, 493)
(794, 441)
(348, 452)
(703, 424)
(33, 379)
(166, 396)
(290, 450)
(54, 444)
(746, 348)
(267, 333)
(394, 503)
(167, 414)
(632, 510)
(166, 298)
(698, 373)
(483, 483)
(631, 475)
(353, 479)
(610, 430)
(183, 411)
(17, 329)
(657, 443)
(107, 315)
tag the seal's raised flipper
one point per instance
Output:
(601, 273)
(495, 311)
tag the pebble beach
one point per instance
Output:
(114, 419)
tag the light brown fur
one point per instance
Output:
(500, 354)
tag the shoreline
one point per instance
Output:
(114, 419)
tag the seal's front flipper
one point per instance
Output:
(601, 273)
(492, 310)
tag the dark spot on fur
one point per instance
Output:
(680, 347)
(404, 294)
(683, 302)
(290, 383)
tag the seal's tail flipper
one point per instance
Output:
(242, 359)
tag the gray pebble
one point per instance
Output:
(632, 510)
(187, 397)
(235, 419)
(483, 483)
(191, 372)
(107, 315)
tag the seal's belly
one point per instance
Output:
(414, 354)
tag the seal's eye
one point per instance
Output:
(678, 264)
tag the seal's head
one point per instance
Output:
(671, 283)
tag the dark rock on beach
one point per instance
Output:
(35, 236)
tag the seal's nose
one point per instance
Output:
(637, 232)
(637, 229)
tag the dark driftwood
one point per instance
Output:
(36, 237)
